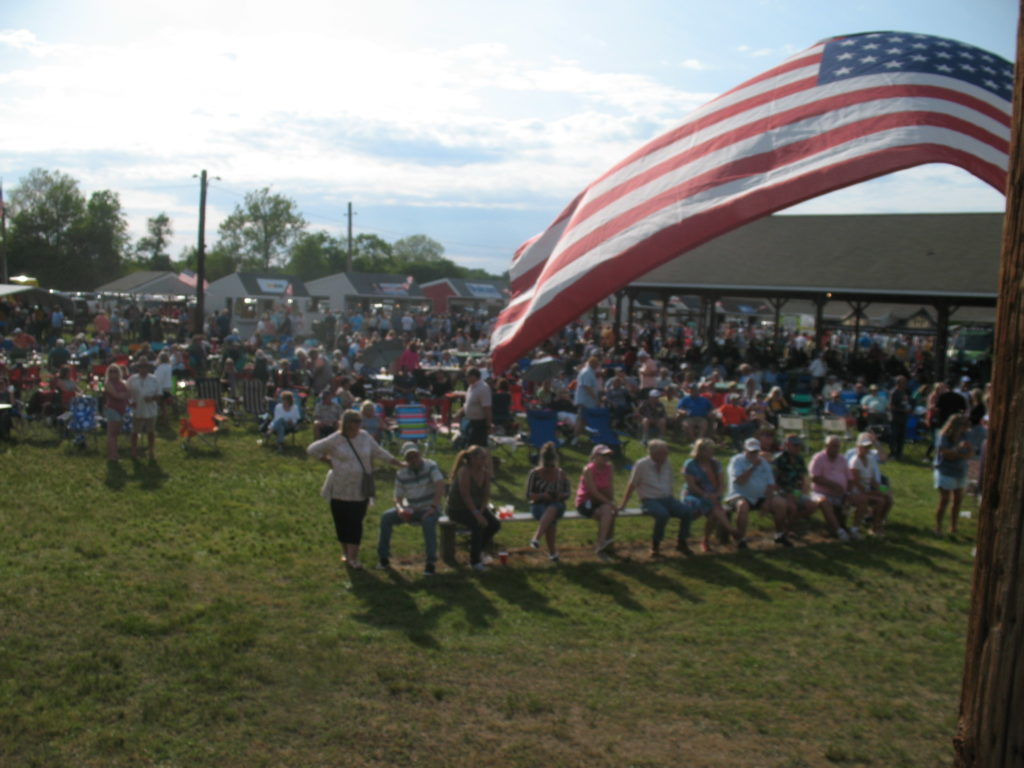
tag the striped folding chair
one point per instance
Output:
(411, 423)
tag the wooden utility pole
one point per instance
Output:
(201, 257)
(990, 733)
(3, 235)
(348, 263)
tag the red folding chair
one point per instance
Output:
(201, 420)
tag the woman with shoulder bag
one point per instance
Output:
(348, 487)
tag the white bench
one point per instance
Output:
(449, 528)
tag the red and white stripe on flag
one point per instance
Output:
(846, 110)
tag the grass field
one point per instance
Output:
(194, 612)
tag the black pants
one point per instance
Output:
(348, 520)
(479, 537)
(477, 432)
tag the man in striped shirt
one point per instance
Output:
(419, 489)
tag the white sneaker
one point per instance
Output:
(535, 543)
(486, 559)
(842, 535)
(480, 566)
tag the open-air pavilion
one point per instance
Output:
(840, 269)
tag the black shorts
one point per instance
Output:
(587, 508)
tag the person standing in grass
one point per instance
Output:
(145, 395)
(595, 497)
(469, 501)
(350, 452)
(547, 488)
(952, 450)
(115, 403)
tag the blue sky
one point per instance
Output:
(472, 122)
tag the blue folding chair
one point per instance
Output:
(543, 426)
(83, 419)
(598, 423)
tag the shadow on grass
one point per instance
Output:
(716, 570)
(514, 587)
(594, 576)
(764, 566)
(647, 575)
(391, 605)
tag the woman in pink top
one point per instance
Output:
(595, 496)
(115, 403)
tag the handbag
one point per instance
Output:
(367, 486)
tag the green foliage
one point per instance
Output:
(151, 250)
(59, 237)
(261, 231)
(417, 248)
(316, 255)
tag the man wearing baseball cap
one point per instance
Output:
(752, 486)
(419, 489)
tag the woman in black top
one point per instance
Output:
(469, 501)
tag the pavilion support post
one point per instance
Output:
(665, 296)
(989, 732)
(819, 321)
(777, 305)
(942, 313)
(617, 321)
(629, 318)
(858, 312)
(712, 334)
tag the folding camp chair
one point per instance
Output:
(253, 401)
(832, 425)
(598, 423)
(411, 423)
(201, 420)
(543, 427)
(802, 403)
(793, 425)
(82, 419)
(210, 389)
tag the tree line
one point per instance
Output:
(72, 242)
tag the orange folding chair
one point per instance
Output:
(201, 420)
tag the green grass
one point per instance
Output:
(194, 613)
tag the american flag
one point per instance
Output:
(845, 110)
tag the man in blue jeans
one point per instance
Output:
(419, 489)
(652, 480)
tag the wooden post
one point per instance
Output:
(942, 313)
(990, 733)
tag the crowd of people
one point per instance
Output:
(665, 386)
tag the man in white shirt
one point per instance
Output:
(144, 394)
(652, 480)
(477, 408)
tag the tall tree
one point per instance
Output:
(46, 207)
(262, 230)
(418, 248)
(370, 253)
(151, 250)
(101, 240)
(315, 255)
(218, 262)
